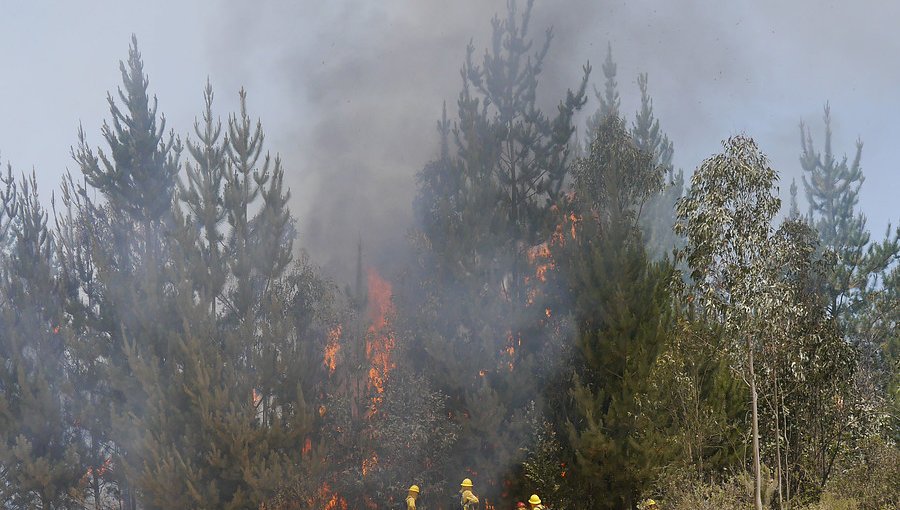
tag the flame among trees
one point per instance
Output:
(164, 345)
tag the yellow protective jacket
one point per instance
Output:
(468, 500)
(410, 503)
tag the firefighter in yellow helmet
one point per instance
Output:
(467, 499)
(650, 505)
(535, 502)
(411, 497)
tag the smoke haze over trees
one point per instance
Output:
(566, 288)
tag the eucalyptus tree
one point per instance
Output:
(727, 221)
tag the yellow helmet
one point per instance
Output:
(649, 503)
(466, 483)
(414, 488)
(534, 500)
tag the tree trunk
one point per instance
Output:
(757, 475)
(778, 445)
(787, 446)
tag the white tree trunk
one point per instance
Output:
(757, 475)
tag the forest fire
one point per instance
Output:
(100, 471)
(369, 463)
(551, 303)
(333, 348)
(380, 340)
(363, 380)
(331, 500)
(539, 256)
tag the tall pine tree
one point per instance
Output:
(40, 462)
(621, 310)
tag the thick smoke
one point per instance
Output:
(362, 83)
(367, 86)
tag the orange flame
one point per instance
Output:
(380, 341)
(539, 255)
(100, 470)
(332, 501)
(255, 398)
(369, 463)
(332, 348)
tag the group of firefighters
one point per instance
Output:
(468, 500)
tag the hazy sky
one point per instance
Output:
(348, 91)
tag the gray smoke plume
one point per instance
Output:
(356, 87)
(367, 84)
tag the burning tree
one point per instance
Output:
(385, 428)
(492, 195)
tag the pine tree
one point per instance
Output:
(832, 190)
(202, 194)
(226, 429)
(491, 197)
(860, 287)
(139, 179)
(658, 217)
(40, 465)
(510, 152)
(135, 316)
(76, 234)
(609, 98)
(621, 310)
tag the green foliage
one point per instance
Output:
(545, 467)
(732, 491)
(138, 175)
(807, 369)
(609, 98)
(702, 409)
(486, 206)
(727, 221)
(40, 464)
(620, 306)
(868, 478)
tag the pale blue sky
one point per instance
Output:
(348, 90)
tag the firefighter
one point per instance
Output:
(467, 499)
(411, 497)
(535, 502)
(650, 505)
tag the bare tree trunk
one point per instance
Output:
(787, 456)
(757, 475)
(778, 443)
